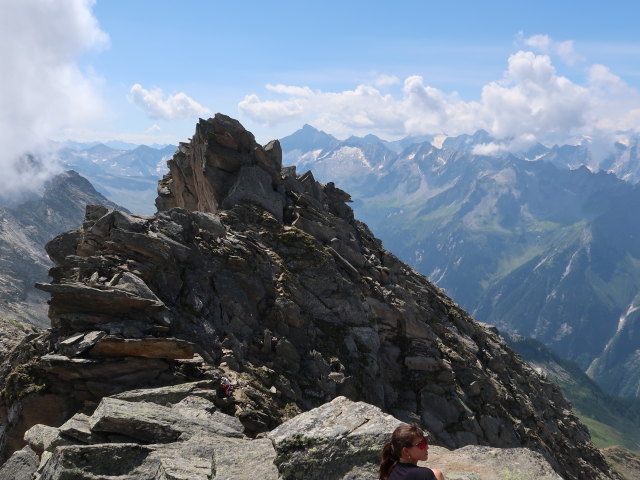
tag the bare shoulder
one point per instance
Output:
(438, 474)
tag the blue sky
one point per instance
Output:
(143, 71)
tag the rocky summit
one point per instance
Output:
(178, 341)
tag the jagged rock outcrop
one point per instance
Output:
(254, 273)
(25, 226)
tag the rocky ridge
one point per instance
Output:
(253, 273)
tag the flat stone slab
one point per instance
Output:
(117, 461)
(171, 394)
(488, 463)
(236, 459)
(77, 297)
(84, 368)
(151, 423)
(172, 348)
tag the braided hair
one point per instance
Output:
(392, 450)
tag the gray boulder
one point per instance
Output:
(339, 440)
(152, 423)
(20, 466)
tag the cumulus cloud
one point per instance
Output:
(153, 128)
(530, 103)
(172, 107)
(42, 88)
(544, 44)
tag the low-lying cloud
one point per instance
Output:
(530, 103)
(42, 88)
(170, 107)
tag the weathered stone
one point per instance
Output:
(150, 422)
(85, 368)
(126, 221)
(81, 298)
(210, 223)
(41, 438)
(133, 284)
(171, 394)
(190, 460)
(366, 338)
(329, 441)
(100, 462)
(274, 154)
(236, 459)
(63, 245)
(254, 185)
(488, 463)
(22, 465)
(78, 428)
(80, 343)
(427, 364)
(143, 347)
(195, 407)
(287, 356)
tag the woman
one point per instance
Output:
(400, 456)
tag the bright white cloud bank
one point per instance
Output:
(532, 102)
(172, 107)
(42, 90)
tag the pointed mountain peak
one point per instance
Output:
(100, 148)
(367, 139)
(308, 138)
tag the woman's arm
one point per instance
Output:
(438, 474)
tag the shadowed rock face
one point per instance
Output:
(258, 274)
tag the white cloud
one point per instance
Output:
(42, 89)
(386, 81)
(517, 144)
(172, 107)
(272, 112)
(153, 128)
(544, 44)
(530, 103)
(289, 90)
(533, 99)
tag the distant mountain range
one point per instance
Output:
(128, 176)
(534, 243)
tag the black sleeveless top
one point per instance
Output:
(408, 471)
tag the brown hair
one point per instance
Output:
(401, 437)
